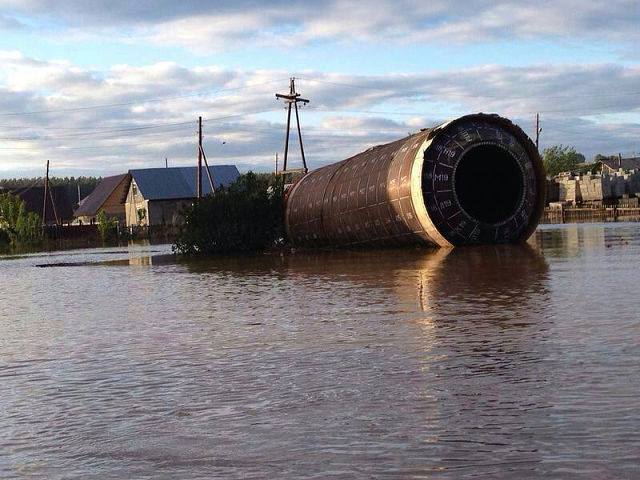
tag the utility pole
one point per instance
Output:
(166, 162)
(206, 167)
(44, 203)
(79, 194)
(47, 190)
(201, 156)
(199, 172)
(538, 130)
(276, 163)
(292, 99)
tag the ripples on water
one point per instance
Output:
(506, 362)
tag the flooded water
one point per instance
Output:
(509, 362)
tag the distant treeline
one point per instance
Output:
(70, 184)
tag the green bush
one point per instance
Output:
(17, 224)
(107, 227)
(248, 216)
(5, 240)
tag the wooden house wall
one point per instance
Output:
(157, 212)
(135, 201)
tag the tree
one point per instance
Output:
(107, 227)
(17, 225)
(246, 217)
(600, 158)
(561, 158)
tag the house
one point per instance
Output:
(33, 197)
(109, 195)
(614, 164)
(157, 196)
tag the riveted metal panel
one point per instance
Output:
(402, 193)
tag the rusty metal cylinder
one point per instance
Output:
(475, 180)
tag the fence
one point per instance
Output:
(71, 232)
(584, 215)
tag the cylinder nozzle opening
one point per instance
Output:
(489, 183)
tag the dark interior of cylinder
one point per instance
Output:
(489, 183)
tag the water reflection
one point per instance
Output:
(500, 277)
(483, 333)
(449, 347)
(574, 240)
(491, 362)
(493, 300)
(500, 282)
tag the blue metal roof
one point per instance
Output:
(180, 182)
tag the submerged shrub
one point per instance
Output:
(248, 216)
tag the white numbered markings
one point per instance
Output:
(478, 183)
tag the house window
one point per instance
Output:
(134, 189)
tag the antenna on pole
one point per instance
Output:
(292, 99)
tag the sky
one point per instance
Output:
(99, 88)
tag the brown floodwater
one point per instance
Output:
(497, 362)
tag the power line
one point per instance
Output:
(123, 126)
(136, 102)
(88, 147)
(122, 131)
(315, 132)
(144, 130)
(471, 94)
(324, 133)
(134, 130)
(611, 109)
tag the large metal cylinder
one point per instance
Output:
(475, 180)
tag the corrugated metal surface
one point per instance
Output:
(180, 182)
(404, 193)
(363, 199)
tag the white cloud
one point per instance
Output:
(58, 123)
(217, 25)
